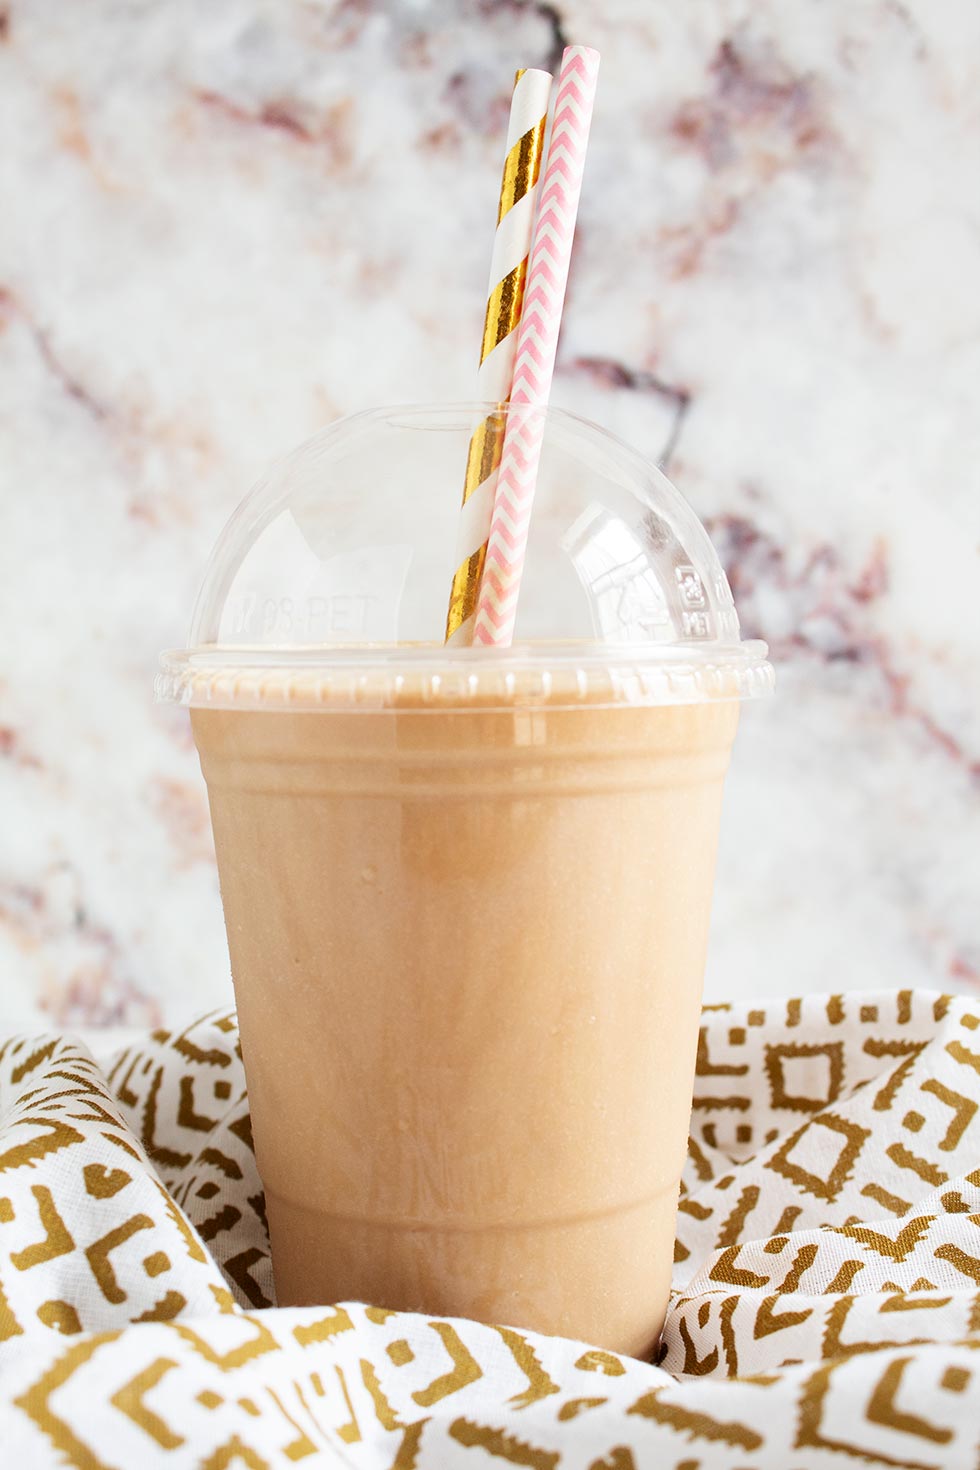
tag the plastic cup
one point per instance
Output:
(467, 890)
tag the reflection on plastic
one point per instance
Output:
(614, 567)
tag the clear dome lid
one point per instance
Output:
(331, 581)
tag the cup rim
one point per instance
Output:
(434, 676)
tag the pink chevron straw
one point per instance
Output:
(537, 344)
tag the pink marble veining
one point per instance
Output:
(228, 224)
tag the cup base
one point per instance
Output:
(602, 1280)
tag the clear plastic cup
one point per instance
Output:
(466, 889)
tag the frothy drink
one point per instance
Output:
(467, 946)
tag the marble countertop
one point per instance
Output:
(225, 225)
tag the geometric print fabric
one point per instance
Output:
(825, 1310)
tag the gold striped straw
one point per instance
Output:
(505, 299)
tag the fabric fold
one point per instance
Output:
(826, 1302)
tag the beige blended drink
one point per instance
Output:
(469, 1000)
(467, 901)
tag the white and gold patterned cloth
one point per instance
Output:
(826, 1306)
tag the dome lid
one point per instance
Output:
(331, 580)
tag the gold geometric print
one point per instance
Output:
(706, 1068)
(896, 1248)
(62, 1316)
(338, 1320)
(34, 1401)
(33, 1150)
(258, 1340)
(825, 1305)
(501, 1445)
(103, 1183)
(57, 1241)
(882, 1408)
(129, 1399)
(539, 1384)
(964, 1110)
(777, 1059)
(9, 1326)
(696, 1425)
(465, 1369)
(99, 1253)
(857, 1440)
(843, 1164)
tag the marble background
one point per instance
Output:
(223, 225)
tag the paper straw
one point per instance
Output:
(505, 298)
(537, 343)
